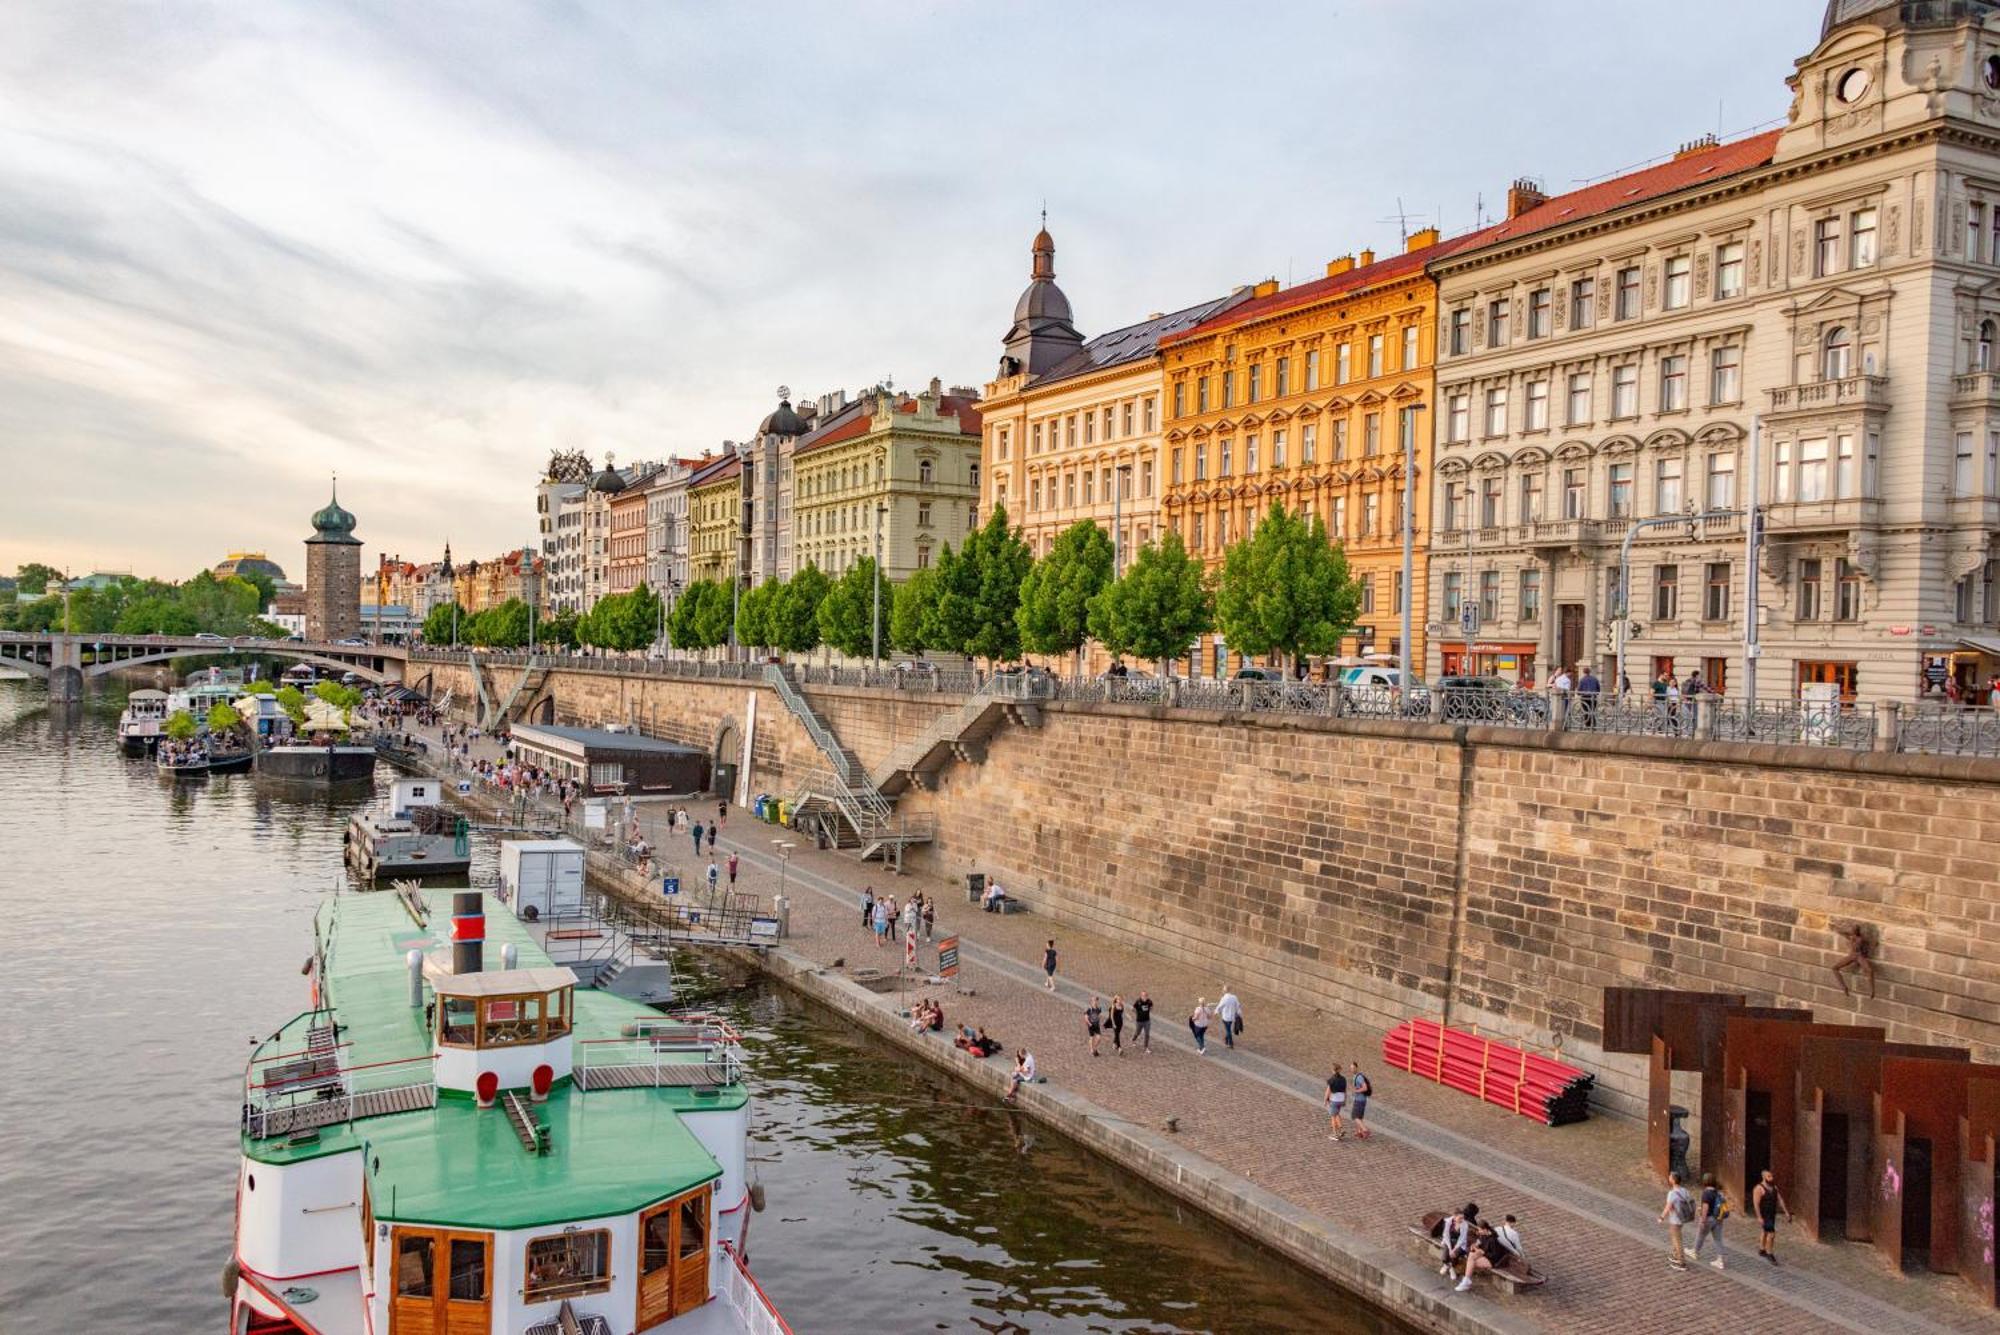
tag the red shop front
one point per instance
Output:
(1486, 658)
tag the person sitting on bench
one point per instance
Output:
(994, 897)
(1493, 1249)
(1454, 1234)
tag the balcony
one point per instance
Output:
(1566, 533)
(1865, 393)
(1975, 512)
(1977, 389)
(1831, 516)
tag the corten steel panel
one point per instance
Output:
(1931, 1096)
(1632, 1015)
(1979, 1130)
(1762, 1056)
(1804, 1191)
(1729, 1167)
(1709, 1032)
(1885, 1193)
(1659, 1097)
(1844, 1074)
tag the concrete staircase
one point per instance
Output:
(959, 735)
(842, 799)
(523, 694)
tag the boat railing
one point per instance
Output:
(755, 1313)
(667, 1051)
(286, 1092)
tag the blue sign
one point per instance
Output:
(670, 885)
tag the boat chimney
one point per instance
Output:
(415, 959)
(508, 955)
(468, 932)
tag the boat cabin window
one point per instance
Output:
(468, 1269)
(458, 1020)
(414, 1255)
(567, 1264)
(503, 1021)
(694, 1225)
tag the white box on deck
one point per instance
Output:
(545, 875)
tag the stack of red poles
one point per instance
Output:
(1547, 1090)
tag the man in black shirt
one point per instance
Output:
(1142, 1022)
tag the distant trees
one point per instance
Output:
(977, 592)
(795, 611)
(847, 613)
(223, 718)
(32, 579)
(911, 611)
(1054, 611)
(128, 605)
(293, 701)
(702, 616)
(181, 727)
(1157, 607)
(444, 623)
(501, 627)
(1285, 589)
(756, 609)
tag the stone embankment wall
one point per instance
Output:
(1383, 869)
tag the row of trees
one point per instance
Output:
(129, 605)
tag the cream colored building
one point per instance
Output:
(1072, 428)
(908, 463)
(1606, 355)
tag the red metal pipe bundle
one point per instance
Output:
(1547, 1090)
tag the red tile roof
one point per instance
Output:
(856, 422)
(1688, 170)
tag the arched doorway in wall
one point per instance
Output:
(725, 758)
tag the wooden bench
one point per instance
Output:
(1011, 905)
(1513, 1279)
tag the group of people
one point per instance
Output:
(1468, 1244)
(927, 1017)
(1098, 1022)
(1227, 1011)
(975, 1041)
(1709, 1209)
(1577, 694)
(884, 916)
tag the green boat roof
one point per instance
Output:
(612, 1150)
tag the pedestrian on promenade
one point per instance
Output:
(1118, 1025)
(930, 917)
(1198, 1022)
(697, 838)
(722, 813)
(713, 876)
(910, 915)
(1676, 1214)
(1714, 1209)
(1229, 1010)
(711, 838)
(1587, 689)
(732, 871)
(1358, 1090)
(867, 908)
(1336, 1102)
(881, 923)
(1142, 1021)
(1767, 1201)
(1093, 1025)
(1024, 1072)
(1049, 965)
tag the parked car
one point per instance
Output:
(354, 640)
(1380, 681)
(1258, 674)
(211, 635)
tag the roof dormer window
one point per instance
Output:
(1853, 85)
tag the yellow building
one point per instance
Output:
(715, 520)
(909, 463)
(1303, 395)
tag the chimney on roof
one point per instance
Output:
(1693, 146)
(1265, 288)
(1421, 240)
(1339, 265)
(1526, 193)
(964, 392)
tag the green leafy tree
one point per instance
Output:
(223, 718)
(755, 611)
(343, 698)
(181, 727)
(156, 614)
(293, 701)
(682, 625)
(41, 614)
(439, 621)
(907, 614)
(713, 614)
(951, 605)
(502, 627)
(1158, 607)
(261, 629)
(1285, 589)
(980, 591)
(1054, 615)
(846, 614)
(260, 687)
(795, 611)
(32, 580)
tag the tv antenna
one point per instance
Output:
(1402, 220)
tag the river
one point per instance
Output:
(153, 931)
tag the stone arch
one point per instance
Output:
(725, 749)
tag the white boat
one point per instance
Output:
(141, 721)
(435, 1147)
(542, 881)
(409, 832)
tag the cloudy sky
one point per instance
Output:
(245, 246)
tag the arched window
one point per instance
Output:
(1982, 356)
(1836, 355)
(924, 471)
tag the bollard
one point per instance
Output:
(782, 905)
(1889, 726)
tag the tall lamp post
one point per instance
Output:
(1409, 598)
(875, 617)
(1118, 520)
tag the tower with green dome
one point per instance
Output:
(333, 575)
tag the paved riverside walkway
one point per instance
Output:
(1587, 1204)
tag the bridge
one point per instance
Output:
(66, 661)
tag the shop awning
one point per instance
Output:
(1985, 644)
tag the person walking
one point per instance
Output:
(910, 914)
(1142, 1021)
(1093, 1024)
(881, 923)
(1587, 691)
(1049, 965)
(711, 838)
(1229, 1010)
(1676, 1214)
(697, 838)
(1198, 1022)
(732, 870)
(1714, 1208)
(1767, 1201)
(1336, 1103)
(714, 874)
(930, 917)
(1358, 1090)
(1117, 1025)
(867, 908)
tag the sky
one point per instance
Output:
(246, 247)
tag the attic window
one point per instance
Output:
(1565, 212)
(1632, 190)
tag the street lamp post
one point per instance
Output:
(1409, 598)
(1118, 520)
(875, 617)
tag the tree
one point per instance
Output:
(755, 610)
(261, 629)
(1285, 589)
(558, 628)
(906, 615)
(795, 611)
(41, 614)
(1054, 614)
(32, 580)
(267, 588)
(502, 627)
(712, 615)
(1158, 607)
(181, 727)
(682, 625)
(293, 701)
(846, 614)
(443, 622)
(260, 687)
(979, 590)
(223, 718)
(343, 698)
(156, 614)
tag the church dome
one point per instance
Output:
(333, 523)
(608, 482)
(783, 422)
(1894, 14)
(1044, 330)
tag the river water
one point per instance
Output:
(153, 930)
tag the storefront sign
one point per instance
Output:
(1899, 630)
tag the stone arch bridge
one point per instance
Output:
(66, 661)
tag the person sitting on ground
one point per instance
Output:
(1024, 1072)
(983, 1044)
(965, 1040)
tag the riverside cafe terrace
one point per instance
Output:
(611, 762)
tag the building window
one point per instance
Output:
(1250, 454)
(1461, 331)
(1180, 406)
(1809, 588)
(1277, 449)
(1371, 435)
(1312, 369)
(1667, 485)
(1496, 323)
(1489, 500)
(1127, 417)
(1673, 383)
(1338, 517)
(1223, 451)
(1034, 499)
(1256, 382)
(1627, 293)
(1409, 347)
(1200, 463)
(1374, 355)
(1339, 439)
(1843, 466)
(1729, 270)
(566, 1264)
(1715, 593)
(1620, 494)
(1582, 303)
(1151, 416)
(1367, 593)
(1200, 540)
(1309, 443)
(1104, 418)
(1489, 595)
(1496, 411)
(1666, 593)
(1145, 478)
(1837, 354)
(1847, 593)
(1069, 489)
(1975, 230)
(1725, 374)
(1454, 505)
(1342, 367)
(1229, 389)
(1531, 595)
(1174, 465)
(1454, 594)
(1578, 411)
(1982, 350)
(1624, 391)
(1458, 418)
(1962, 477)
(1781, 471)
(1861, 239)
(1576, 486)
(1531, 498)
(1541, 313)
(1538, 406)
(1812, 470)
(1826, 247)
(1201, 394)
(1282, 376)
(1371, 515)
(1721, 485)
(1680, 277)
